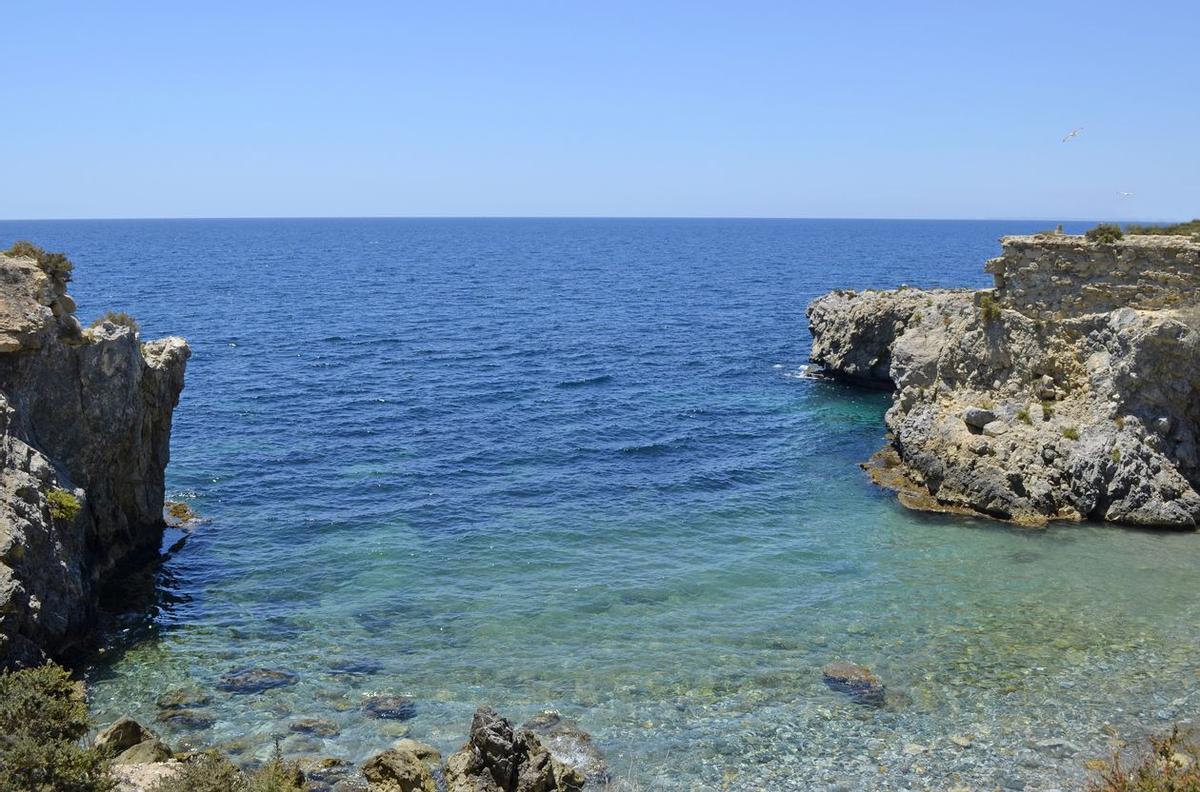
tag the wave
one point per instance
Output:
(600, 379)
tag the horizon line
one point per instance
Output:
(577, 217)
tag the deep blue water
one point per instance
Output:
(570, 464)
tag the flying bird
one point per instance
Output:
(1072, 133)
(1125, 194)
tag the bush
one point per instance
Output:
(119, 318)
(1047, 411)
(206, 772)
(1172, 765)
(1104, 234)
(1072, 433)
(989, 307)
(63, 504)
(1191, 227)
(278, 776)
(42, 718)
(56, 264)
(1023, 415)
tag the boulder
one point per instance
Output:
(145, 752)
(399, 771)
(858, 682)
(255, 680)
(317, 726)
(389, 707)
(498, 758)
(978, 417)
(120, 735)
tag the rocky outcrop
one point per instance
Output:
(1071, 390)
(85, 420)
(499, 758)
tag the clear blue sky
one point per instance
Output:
(780, 109)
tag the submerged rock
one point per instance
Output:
(858, 682)
(389, 707)
(183, 698)
(317, 726)
(255, 680)
(498, 758)
(192, 719)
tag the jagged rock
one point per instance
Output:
(255, 680)
(120, 735)
(498, 759)
(84, 415)
(856, 681)
(1092, 363)
(399, 771)
(389, 707)
(570, 745)
(145, 752)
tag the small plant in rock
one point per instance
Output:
(1070, 432)
(1104, 234)
(1023, 416)
(1119, 421)
(119, 318)
(63, 504)
(277, 775)
(1172, 765)
(989, 307)
(56, 264)
(1115, 455)
(1047, 411)
(205, 772)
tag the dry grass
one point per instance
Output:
(1171, 765)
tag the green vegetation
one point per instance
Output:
(119, 318)
(1172, 765)
(56, 264)
(63, 505)
(1119, 421)
(1190, 228)
(1115, 455)
(1047, 411)
(1070, 432)
(989, 307)
(212, 772)
(43, 717)
(1104, 234)
(1023, 415)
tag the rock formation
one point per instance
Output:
(1071, 390)
(85, 421)
(499, 758)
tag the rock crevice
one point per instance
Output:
(1069, 391)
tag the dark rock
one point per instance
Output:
(359, 667)
(856, 681)
(570, 745)
(183, 698)
(498, 759)
(978, 417)
(321, 728)
(399, 708)
(255, 680)
(191, 719)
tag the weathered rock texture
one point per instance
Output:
(499, 758)
(1069, 391)
(85, 421)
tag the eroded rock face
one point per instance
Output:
(85, 420)
(498, 758)
(1038, 400)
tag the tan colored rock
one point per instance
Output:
(398, 771)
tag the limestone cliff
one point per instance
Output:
(1071, 390)
(85, 420)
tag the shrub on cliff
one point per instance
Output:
(1104, 234)
(43, 717)
(212, 772)
(56, 264)
(1190, 228)
(119, 318)
(63, 505)
(1172, 765)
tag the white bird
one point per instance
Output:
(1125, 194)
(1072, 133)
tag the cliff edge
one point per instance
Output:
(1069, 391)
(85, 422)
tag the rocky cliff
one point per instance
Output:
(85, 421)
(1071, 390)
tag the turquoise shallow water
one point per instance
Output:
(570, 464)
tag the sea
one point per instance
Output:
(574, 464)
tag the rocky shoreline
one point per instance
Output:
(1069, 391)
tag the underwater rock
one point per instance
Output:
(192, 719)
(389, 707)
(183, 698)
(255, 680)
(316, 726)
(497, 758)
(858, 682)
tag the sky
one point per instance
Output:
(613, 108)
